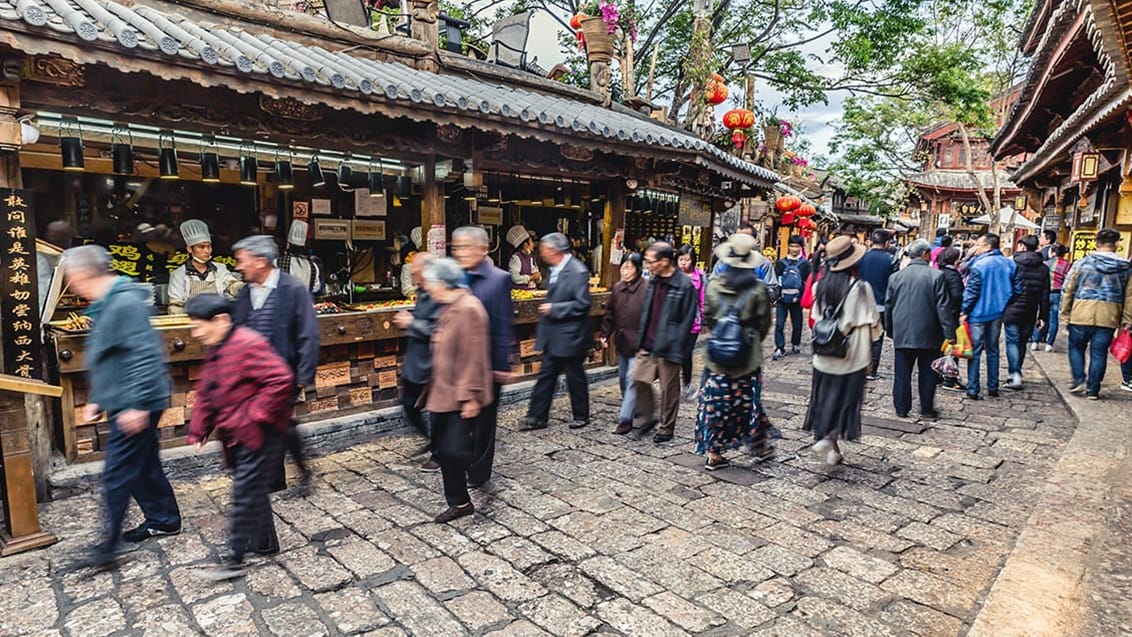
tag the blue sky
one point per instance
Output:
(817, 121)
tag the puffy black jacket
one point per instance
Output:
(676, 316)
(1030, 300)
(954, 282)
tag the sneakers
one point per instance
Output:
(1076, 388)
(954, 387)
(690, 392)
(146, 531)
(623, 427)
(1126, 385)
(971, 396)
(1015, 381)
(872, 377)
(993, 393)
(430, 466)
(779, 354)
(1092, 397)
(1034, 346)
(796, 349)
(825, 451)
(722, 463)
(526, 423)
(1049, 348)
(224, 571)
(453, 513)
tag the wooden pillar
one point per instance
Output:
(613, 219)
(422, 25)
(21, 517)
(432, 199)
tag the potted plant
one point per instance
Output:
(599, 22)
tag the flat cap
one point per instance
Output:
(207, 306)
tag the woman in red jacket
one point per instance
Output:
(244, 396)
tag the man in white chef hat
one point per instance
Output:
(304, 268)
(200, 273)
(525, 273)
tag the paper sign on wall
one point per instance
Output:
(320, 206)
(301, 210)
(367, 206)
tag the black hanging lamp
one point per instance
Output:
(167, 155)
(376, 179)
(249, 165)
(71, 144)
(345, 173)
(209, 161)
(122, 151)
(284, 171)
(318, 180)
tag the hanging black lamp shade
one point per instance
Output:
(318, 180)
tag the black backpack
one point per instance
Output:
(826, 338)
(730, 342)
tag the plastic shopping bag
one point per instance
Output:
(1121, 347)
(946, 366)
(964, 347)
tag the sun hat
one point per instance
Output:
(842, 254)
(739, 251)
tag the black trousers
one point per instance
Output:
(410, 395)
(782, 311)
(251, 524)
(921, 359)
(878, 347)
(132, 469)
(686, 364)
(483, 441)
(455, 445)
(293, 444)
(552, 368)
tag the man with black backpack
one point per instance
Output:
(792, 271)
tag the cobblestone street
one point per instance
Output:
(584, 532)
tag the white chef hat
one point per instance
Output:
(297, 236)
(517, 236)
(195, 231)
(415, 236)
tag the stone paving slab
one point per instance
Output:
(582, 532)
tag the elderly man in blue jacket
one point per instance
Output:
(129, 381)
(280, 308)
(990, 284)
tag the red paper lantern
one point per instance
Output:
(787, 218)
(806, 223)
(716, 91)
(787, 203)
(738, 118)
(806, 210)
(738, 138)
(576, 21)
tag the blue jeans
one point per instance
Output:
(1096, 340)
(1049, 332)
(625, 366)
(781, 311)
(132, 470)
(984, 336)
(1016, 338)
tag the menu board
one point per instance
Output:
(19, 286)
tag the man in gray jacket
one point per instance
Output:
(666, 324)
(916, 318)
(129, 381)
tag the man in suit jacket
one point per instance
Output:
(280, 308)
(563, 336)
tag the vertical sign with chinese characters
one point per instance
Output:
(18, 285)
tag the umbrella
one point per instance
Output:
(1004, 215)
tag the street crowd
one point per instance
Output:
(938, 303)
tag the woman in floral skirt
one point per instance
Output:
(729, 407)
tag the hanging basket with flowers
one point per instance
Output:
(599, 22)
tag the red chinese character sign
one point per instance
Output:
(19, 303)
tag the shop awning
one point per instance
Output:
(1004, 220)
(155, 37)
(861, 220)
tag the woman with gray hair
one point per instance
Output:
(460, 384)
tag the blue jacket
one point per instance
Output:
(295, 334)
(990, 284)
(492, 287)
(125, 358)
(876, 268)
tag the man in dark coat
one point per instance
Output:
(876, 269)
(492, 286)
(1028, 306)
(917, 318)
(666, 323)
(564, 336)
(280, 308)
(417, 361)
(129, 381)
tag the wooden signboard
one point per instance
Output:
(385, 362)
(387, 379)
(19, 285)
(361, 396)
(21, 517)
(332, 375)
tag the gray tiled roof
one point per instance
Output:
(959, 180)
(142, 27)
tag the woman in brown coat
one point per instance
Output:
(622, 315)
(461, 381)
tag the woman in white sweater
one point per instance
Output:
(838, 387)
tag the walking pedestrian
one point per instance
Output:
(125, 361)
(917, 318)
(948, 262)
(1058, 269)
(621, 321)
(876, 268)
(461, 382)
(1028, 306)
(731, 397)
(837, 390)
(280, 308)
(563, 336)
(243, 395)
(492, 286)
(685, 260)
(990, 284)
(665, 326)
(793, 271)
(417, 362)
(1095, 301)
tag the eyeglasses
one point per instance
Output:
(651, 261)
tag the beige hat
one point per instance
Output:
(740, 251)
(297, 235)
(415, 237)
(517, 236)
(841, 253)
(195, 231)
